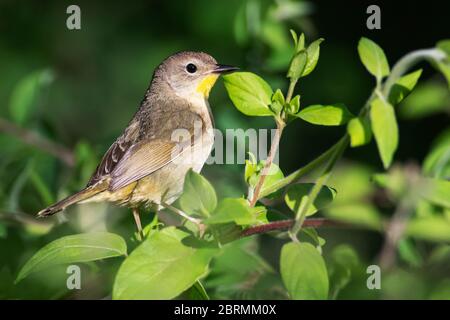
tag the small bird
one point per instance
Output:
(170, 134)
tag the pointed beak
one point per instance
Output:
(223, 68)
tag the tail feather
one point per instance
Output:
(64, 203)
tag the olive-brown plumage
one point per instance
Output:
(170, 133)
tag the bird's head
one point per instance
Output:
(191, 74)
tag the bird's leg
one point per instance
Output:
(201, 227)
(180, 213)
(137, 220)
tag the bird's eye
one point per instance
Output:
(191, 68)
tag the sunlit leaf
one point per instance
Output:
(437, 191)
(437, 162)
(359, 214)
(274, 174)
(385, 130)
(444, 45)
(313, 53)
(298, 64)
(233, 210)
(199, 197)
(75, 248)
(303, 272)
(430, 228)
(326, 115)
(427, 99)
(403, 86)
(373, 58)
(359, 131)
(250, 93)
(162, 267)
(409, 253)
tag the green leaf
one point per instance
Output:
(199, 197)
(373, 58)
(278, 96)
(298, 65)
(313, 53)
(251, 167)
(299, 41)
(294, 105)
(250, 94)
(277, 102)
(318, 240)
(274, 174)
(294, 37)
(197, 292)
(409, 253)
(441, 291)
(297, 195)
(233, 210)
(344, 263)
(433, 228)
(401, 89)
(444, 68)
(26, 93)
(437, 191)
(359, 214)
(385, 130)
(3, 231)
(394, 182)
(230, 278)
(82, 247)
(427, 99)
(326, 115)
(161, 267)
(359, 131)
(437, 162)
(303, 272)
(444, 45)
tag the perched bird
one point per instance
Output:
(170, 133)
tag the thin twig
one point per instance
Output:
(286, 224)
(38, 141)
(181, 213)
(301, 214)
(268, 164)
(394, 233)
(399, 220)
(291, 90)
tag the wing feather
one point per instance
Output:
(142, 160)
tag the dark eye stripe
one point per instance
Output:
(191, 68)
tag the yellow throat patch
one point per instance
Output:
(206, 84)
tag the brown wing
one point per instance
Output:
(143, 159)
(138, 153)
(115, 153)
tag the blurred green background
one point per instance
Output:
(79, 88)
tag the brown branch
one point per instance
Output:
(286, 224)
(268, 164)
(38, 141)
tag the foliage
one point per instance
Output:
(208, 255)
